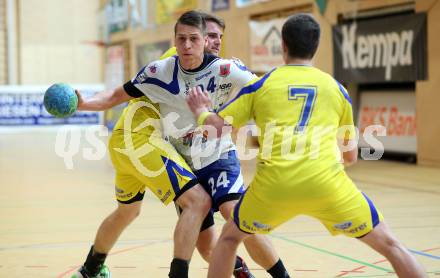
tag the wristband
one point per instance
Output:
(202, 117)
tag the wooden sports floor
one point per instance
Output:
(49, 216)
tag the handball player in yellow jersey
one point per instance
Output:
(299, 170)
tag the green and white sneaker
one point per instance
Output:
(104, 272)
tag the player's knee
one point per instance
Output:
(229, 239)
(195, 199)
(392, 247)
(206, 203)
(384, 242)
(128, 214)
(226, 208)
(205, 250)
(202, 204)
(231, 235)
(206, 242)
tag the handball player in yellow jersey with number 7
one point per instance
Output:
(299, 170)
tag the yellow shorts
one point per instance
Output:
(340, 206)
(141, 161)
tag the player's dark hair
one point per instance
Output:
(212, 18)
(192, 18)
(300, 34)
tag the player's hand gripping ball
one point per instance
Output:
(60, 100)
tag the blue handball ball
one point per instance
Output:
(60, 100)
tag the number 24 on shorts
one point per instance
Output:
(222, 180)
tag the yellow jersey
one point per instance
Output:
(298, 110)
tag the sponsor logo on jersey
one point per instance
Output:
(262, 226)
(343, 225)
(203, 75)
(187, 84)
(166, 196)
(256, 226)
(346, 227)
(225, 70)
(152, 68)
(125, 196)
(225, 86)
(361, 227)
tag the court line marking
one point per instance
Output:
(421, 253)
(330, 253)
(364, 264)
(343, 273)
(71, 269)
(381, 261)
(383, 275)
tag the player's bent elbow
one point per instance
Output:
(116, 97)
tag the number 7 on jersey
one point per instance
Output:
(308, 95)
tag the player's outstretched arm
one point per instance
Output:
(103, 100)
(199, 103)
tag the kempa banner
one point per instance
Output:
(381, 50)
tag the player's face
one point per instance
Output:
(215, 35)
(190, 45)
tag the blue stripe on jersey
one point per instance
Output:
(374, 215)
(172, 87)
(344, 92)
(135, 81)
(240, 66)
(249, 89)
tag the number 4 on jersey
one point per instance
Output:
(211, 85)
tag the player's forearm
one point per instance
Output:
(219, 124)
(213, 120)
(103, 100)
(349, 151)
(99, 102)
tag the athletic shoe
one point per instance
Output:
(243, 271)
(104, 272)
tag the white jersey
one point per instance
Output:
(167, 83)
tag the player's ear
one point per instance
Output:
(285, 50)
(206, 41)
